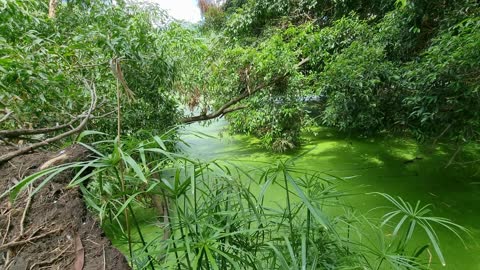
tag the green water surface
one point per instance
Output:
(377, 164)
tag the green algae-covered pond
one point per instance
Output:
(397, 166)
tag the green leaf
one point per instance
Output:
(135, 166)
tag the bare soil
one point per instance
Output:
(52, 229)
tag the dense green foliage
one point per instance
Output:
(364, 66)
(398, 66)
(385, 66)
(44, 63)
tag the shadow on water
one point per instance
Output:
(394, 165)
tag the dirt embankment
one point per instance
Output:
(52, 229)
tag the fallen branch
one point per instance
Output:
(79, 128)
(8, 262)
(226, 107)
(20, 132)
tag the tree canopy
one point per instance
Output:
(408, 67)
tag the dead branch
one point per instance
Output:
(5, 117)
(104, 258)
(8, 143)
(8, 262)
(54, 161)
(467, 162)
(20, 132)
(103, 115)
(79, 128)
(241, 107)
(304, 60)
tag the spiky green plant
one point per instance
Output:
(410, 217)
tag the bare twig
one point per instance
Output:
(79, 128)
(304, 60)
(459, 148)
(8, 262)
(5, 117)
(8, 143)
(52, 260)
(15, 243)
(27, 206)
(103, 115)
(104, 259)
(467, 162)
(441, 134)
(7, 229)
(118, 73)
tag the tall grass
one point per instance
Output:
(219, 216)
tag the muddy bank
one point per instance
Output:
(53, 229)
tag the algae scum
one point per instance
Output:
(397, 166)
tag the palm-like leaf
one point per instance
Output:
(411, 217)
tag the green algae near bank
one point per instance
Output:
(397, 166)
(376, 165)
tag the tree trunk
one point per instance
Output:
(52, 7)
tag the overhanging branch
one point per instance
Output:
(205, 117)
(227, 107)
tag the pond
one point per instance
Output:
(380, 164)
(397, 166)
